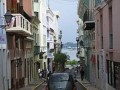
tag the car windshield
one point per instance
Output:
(59, 78)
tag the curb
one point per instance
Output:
(83, 85)
(38, 85)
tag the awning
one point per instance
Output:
(88, 25)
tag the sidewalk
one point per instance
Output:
(86, 84)
(33, 85)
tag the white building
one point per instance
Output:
(40, 12)
(48, 32)
(3, 49)
(53, 33)
(80, 50)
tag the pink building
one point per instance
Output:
(107, 17)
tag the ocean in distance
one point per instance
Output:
(71, 52)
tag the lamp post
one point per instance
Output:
(8, 18)
(3, 55)
(60, 37)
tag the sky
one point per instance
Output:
(68, 18)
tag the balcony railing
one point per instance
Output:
(89, 15)
(36, 50)
(20, 25)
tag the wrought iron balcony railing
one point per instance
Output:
(88, 15)
(36, 50)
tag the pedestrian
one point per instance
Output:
(77, 69)
(75, 73)
(39, 72)
(49, 74)
(82, 73)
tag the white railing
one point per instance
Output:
(20, 24)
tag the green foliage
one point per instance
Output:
(72, 62)
(60, 58)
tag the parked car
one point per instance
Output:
(61, 81)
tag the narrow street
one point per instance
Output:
(78, 84)
(41, 37)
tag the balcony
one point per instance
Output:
(88, 15)
(20, 25)
(36, 50)
(50, 40)
(88, 20)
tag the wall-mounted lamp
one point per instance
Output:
(8, 18)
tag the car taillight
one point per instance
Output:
(46, 88)
(74, 88)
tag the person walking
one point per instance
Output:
(82, 73)
(39, 72)
(49, 74)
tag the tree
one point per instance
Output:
(60, 59)
(72, 62)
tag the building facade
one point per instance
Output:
(79, 39)
(54, 35)
(3, 48)
(20, 54)
(86, 13)
(107, 50)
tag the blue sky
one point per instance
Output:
(68, 18)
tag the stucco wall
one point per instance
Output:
(27, 6)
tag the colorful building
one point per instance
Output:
(107, 18)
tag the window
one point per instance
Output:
(98, 64)
(111, 73)
(36, 14)
(44, 39)
(101, 27)
(35, 0)
(110, 29)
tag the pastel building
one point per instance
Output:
(87, 40)
(107, 16)
(41, 44)
(20, 43)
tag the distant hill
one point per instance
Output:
(69, 44)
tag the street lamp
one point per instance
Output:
(8, 18)
(3, 58)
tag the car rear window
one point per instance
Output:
(59, 78)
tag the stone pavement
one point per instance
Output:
(33, 85)
(87, 85)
